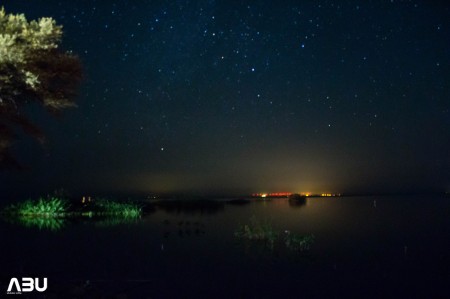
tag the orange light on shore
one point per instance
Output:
(272, 194)
(327, 194)
(287, 194)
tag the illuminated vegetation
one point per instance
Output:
(263, 231)
(33, 69)
(114, 221)
(104, 207)
(42, 223)
(52, 212)
(43, 207)
(256, 230)
(297, 242)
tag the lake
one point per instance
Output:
(365, 246)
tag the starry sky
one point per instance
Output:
(234, 97)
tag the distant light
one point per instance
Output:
(162, 149)
(263, 195)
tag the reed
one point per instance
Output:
(298, 242)
(104, 207)
(42, 207)
(264, 231)
(257, 230)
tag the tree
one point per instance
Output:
(32, 70)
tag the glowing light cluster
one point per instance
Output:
(273, 194)
(287, 194)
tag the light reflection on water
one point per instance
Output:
(179, 247)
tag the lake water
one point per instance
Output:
(366, 246)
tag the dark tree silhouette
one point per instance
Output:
(32, 69)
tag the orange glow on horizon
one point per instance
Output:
(287, 194)
(273, 194)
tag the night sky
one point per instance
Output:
(234, 97)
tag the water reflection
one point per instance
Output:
(258, 250)
(114, 221)
(42, 223)
(239, 201)
(355, 245)
(183, 228)
(297, 203)
(190, 207)
(56, 224)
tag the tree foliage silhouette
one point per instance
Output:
(32, 70)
